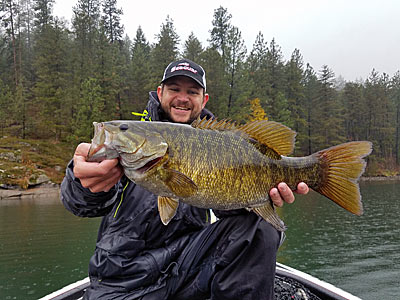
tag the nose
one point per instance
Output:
(183, 96)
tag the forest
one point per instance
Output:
(57, 77)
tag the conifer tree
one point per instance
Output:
(90, 109)
(236, 51)
(192, 48)
(85, 23)
(331, 127)
(380, 114)
(217, 86)
(294, 90)
(43, 13)
(274, 79)
(395, 96)
(139, 73)
(52, 77)
(9, 10)
(257, 69)
(220, 31)
(165, 50)
(111, 19)
(311, 98)
(355, 111)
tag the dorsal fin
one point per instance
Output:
(274, 135)
(214, 124)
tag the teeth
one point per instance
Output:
(181, 108)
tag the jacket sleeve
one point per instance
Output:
(81, 201)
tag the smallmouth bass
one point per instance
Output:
(221, 165)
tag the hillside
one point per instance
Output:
(28, 163)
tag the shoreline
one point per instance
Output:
(41, 191)
(53, 190)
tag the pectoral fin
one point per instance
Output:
(179, 184)
(268, 213)
(167, 208)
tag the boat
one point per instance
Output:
(290, 283)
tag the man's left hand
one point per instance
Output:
(284, 194)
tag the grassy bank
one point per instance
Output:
(26, 163)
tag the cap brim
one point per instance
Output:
(186, 75)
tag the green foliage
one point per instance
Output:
(138, 75)
(193, 48)
(90, 109)
(58, 80)
(164, 51)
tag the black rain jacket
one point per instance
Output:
(133, 247)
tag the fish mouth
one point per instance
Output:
(148, 166)
(93, 150)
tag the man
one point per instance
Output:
(136, 256)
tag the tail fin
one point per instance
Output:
(344, 164)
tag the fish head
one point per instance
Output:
(137, 147)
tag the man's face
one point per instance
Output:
(182, 99)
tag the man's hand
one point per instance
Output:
(284, 194)
(97, 177)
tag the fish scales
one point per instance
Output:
(225, 166)
(222, 165)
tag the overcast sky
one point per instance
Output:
(350, 36)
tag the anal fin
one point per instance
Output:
(268, 213)
(167, 209)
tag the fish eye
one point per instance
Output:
(123, 127)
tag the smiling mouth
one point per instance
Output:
(181, 108)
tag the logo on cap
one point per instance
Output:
(183, 66)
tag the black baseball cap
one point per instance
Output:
(188, 68)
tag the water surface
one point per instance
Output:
(44, 247)
(358, 254)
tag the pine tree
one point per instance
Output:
(112, 21)
(294, 92)
(164, 51)
(9, 10)
(355, 111)
(311, 98)
(395, 96)
(85, 23)
(220, 31)
(217, 86)
(52, 78)
(331, 129)
(43, 13)
(90, 109)
(380, 114)
(257, 69)
(193, 48)
(139, 73)
(236, 51)
(274, 80)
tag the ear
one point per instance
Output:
(205, 100)
(159, 92)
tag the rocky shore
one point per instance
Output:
(40, 191)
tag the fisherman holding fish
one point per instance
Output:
(139, 257)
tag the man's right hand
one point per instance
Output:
(97, 177)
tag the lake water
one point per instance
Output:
(43, 247)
